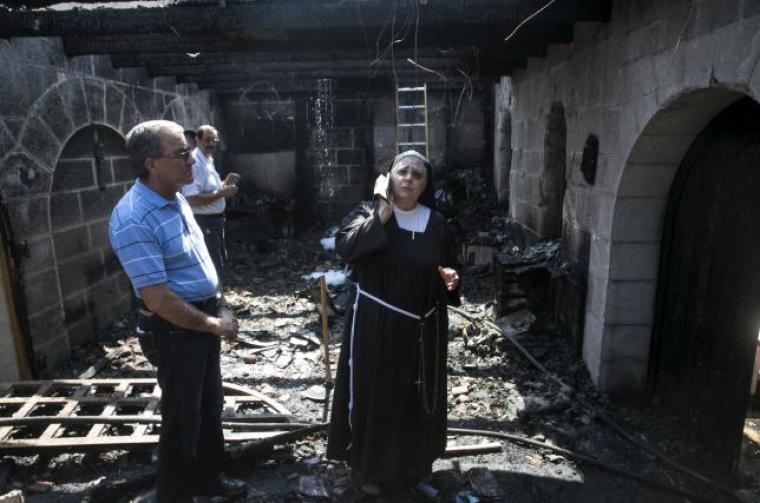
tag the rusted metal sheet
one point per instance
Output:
(130, 409)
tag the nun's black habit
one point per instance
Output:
(384, 423)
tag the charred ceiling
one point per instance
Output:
(227, 44)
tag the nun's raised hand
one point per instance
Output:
(450, 277)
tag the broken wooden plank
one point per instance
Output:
(58, 415)
(453, 451)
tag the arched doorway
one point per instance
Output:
(92, 173)
(708, 291)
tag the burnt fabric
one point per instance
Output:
(383, 423)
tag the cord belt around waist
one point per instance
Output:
(380, 301)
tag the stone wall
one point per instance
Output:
(340, 151)
(45, 100)
(645, 84)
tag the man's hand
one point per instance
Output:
(450, 277)
(165, 303)
(231, 179)
(228, 325)
(227, 191)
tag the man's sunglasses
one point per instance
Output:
(183, 154)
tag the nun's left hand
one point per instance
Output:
(450, 277)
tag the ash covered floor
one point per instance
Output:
(491, 386)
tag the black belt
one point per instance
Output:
(208, 304)
(204, 305)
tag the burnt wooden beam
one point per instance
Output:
(241, 57)
(280, 89)
(285, 15)
(166, 44)
(327, 67)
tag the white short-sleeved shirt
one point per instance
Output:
(205, 180)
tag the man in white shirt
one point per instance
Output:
(207, 195)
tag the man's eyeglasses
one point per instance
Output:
(183, 155)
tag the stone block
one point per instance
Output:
(358, 175)
(71, 242)
(351, 113)
(596, 295)
(40, 292)
(114, 105)
(599, 257)
(46, 329)
(23, 176)
(81, 332)
(639, 219)
(80, 272)
(72, 93)
(143, 101)
(39, 142)
(102, 294)
(6, 51)
(53, 112)
(102, 68)
(74, 174)
(130, 117)
(634, 261)
(630, 302)
(111, 263)
(751, 9)
(627, 342)
(593, 340)
(38, 256)
(166, 84)
(98, 203)
(39, 50)
(74, 309)
(81, 65)
(99, 235)
(350, 156)
(122, 170)
(16, 99)
(135, 76)
(709, 15)
(64, 210)
(740, 50)
(7, 140)
(29, 216)
(95, 95)
(623, 377)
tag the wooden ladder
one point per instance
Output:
(412, 119)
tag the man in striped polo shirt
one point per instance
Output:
(160, 246)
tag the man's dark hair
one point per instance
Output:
(206, 128)
(144, 140)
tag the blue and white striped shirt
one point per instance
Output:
(157, 241)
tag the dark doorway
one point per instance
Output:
(708, 298)
(92, 174)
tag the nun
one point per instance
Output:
(388, 418)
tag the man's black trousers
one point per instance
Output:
(191, 443)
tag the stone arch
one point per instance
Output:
(92, 173)
(625, 255)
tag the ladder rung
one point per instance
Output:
(410, 89)
(410, 107)
(420, 124)
(412, 143)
